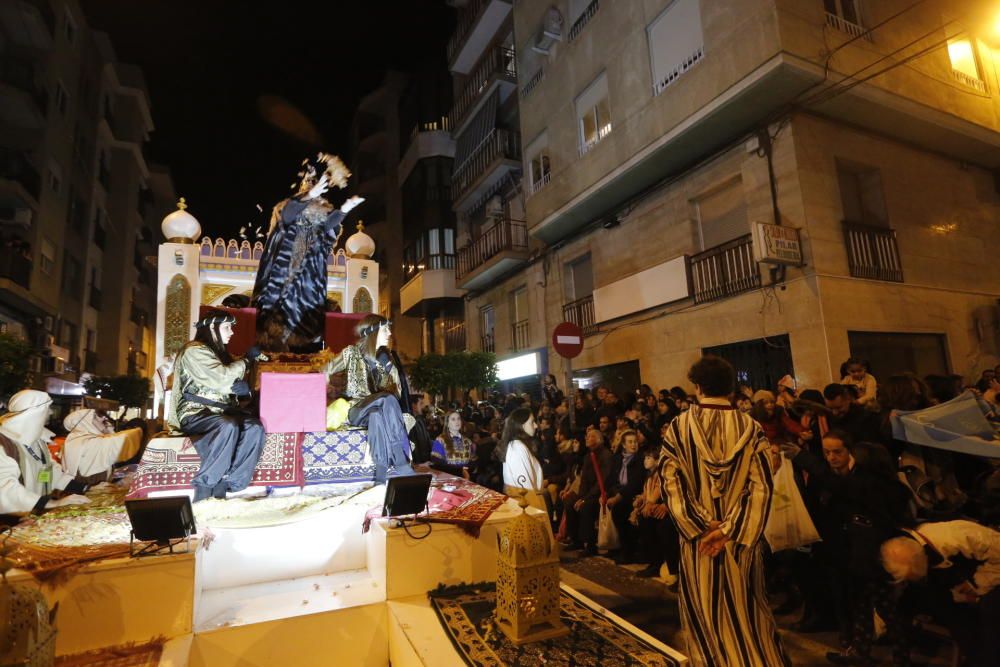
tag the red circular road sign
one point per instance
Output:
(567, 339)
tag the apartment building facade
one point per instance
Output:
(79, 204)
(661, 136)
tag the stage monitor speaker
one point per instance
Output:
(161, 520)
(406, 494)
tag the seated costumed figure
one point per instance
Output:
(29, 481)
(93, 447)
(207, 383)
(375, 386)
(290, 289)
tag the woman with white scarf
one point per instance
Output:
(92, 446)
(29, 482)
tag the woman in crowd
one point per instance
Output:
(522, 472)
(452, 451)
(778, 426)
(650, 516)
(628, 477)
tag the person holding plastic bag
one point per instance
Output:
(789, 525)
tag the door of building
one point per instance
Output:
(890, 353)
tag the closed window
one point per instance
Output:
(539, 170)
(722, 214)
(844, 9)
(47, 257)
(675, 42)
(861, 193)
(594, 114)
(579, 278)
(62, 98)
(965, 63)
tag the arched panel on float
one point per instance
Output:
(177, 331)
(362, 301)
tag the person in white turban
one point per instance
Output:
(29, 482)
(93, 446)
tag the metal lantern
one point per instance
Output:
(27, 638)
(527, 595)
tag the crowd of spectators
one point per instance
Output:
(907, 532)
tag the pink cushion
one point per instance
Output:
(293, 402)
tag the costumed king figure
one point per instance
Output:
(207, 384)
(29, 482)
(290, 289)
(93, 447)
(375, 383)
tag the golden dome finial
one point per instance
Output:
(361, 225)
(182, 204)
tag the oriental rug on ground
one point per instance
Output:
(466, 612)
(169, 464)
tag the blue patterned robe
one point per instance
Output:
(290, 290)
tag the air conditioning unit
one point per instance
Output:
(550, 32)
(15, 217)
(494, 207)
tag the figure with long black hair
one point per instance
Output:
(376, 385)
(207, 384)
(522, 473)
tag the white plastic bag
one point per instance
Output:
(789, 525)
(607, 533)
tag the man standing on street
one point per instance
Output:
(716, 472)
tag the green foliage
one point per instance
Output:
(15, 354)
(439, 373)
(131, 391)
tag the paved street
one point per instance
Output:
(652, 606)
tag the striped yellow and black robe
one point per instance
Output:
(715, 468)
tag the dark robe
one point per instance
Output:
(290, 289)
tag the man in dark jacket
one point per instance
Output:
(854, 510)
(846, 415)
(595, 475)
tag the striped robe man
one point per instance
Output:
(716, 472)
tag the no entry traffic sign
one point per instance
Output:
(567, 339)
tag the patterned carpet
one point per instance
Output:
(467, 616)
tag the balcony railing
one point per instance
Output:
(487, 343)
(725, 270)
(970, 81)
(14, 166)
(535, 79)
(467, 18)
(14, 266)
(499, 144)
(20, 73)
(872, 252)
(435, 249)
(95, 298)
(584, 19)
(499, 61)
(453, 334)
(519, 335)
(581, 313)
(849, 27)
(504, 235)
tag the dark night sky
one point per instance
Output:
(209, 63)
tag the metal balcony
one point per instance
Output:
(429, 272)
(499, 249)
(15, 167)
(497, 69)
(487, 342)
(725, 270)
(497, 155)
(14, 265)
(477, 23)
(519, 335)
(581, 313)
(872, 252)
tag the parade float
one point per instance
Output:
(302, 567)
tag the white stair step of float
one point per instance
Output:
(416, 637)
(274, 600)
